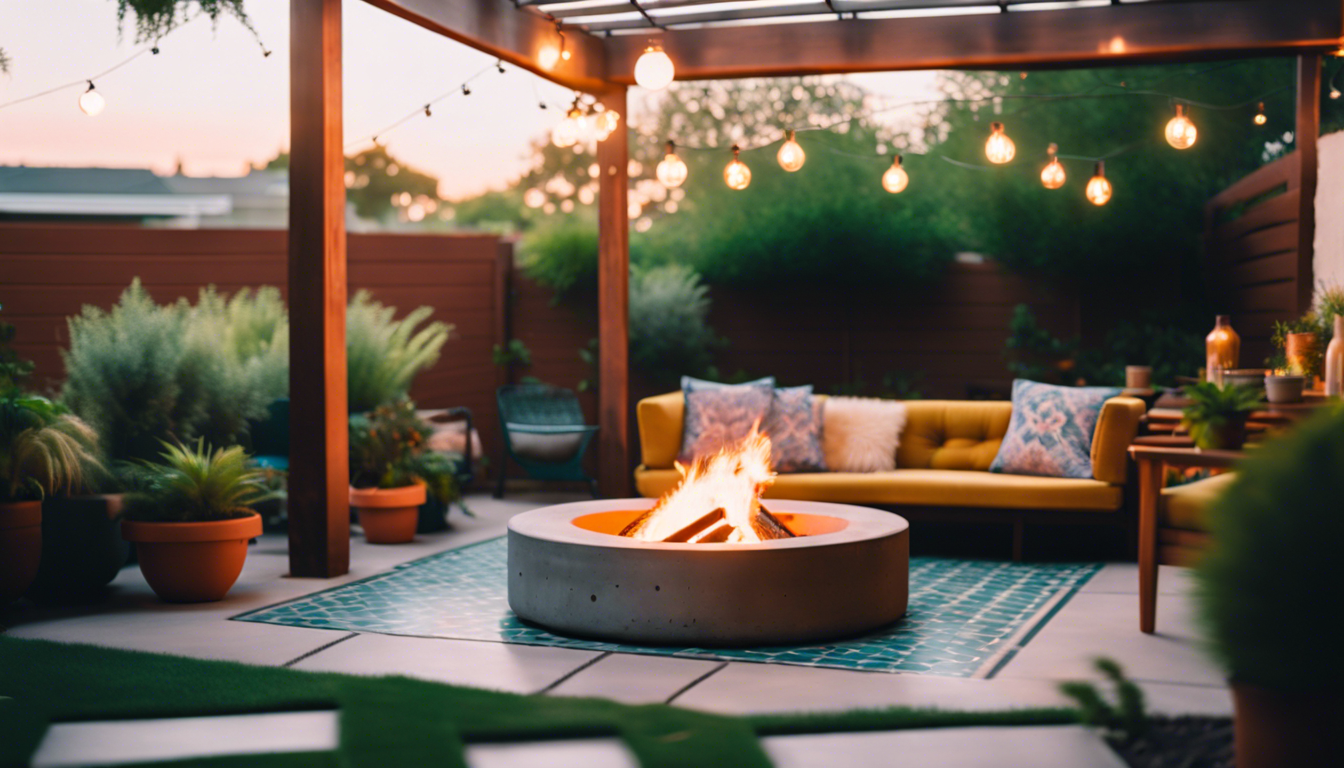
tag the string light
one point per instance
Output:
(1334, 92)
(1181, 132)
(1053, 175)
(671, 171)
(654, 69)
(791, 155)
(1260, 118)
(605, 123)
(895, 179)
(91, 102)
(736, 173)
(1098, 187)
(569, 130)
(999, 148)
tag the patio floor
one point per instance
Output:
(1101, 620)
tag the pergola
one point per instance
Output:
(707, 39)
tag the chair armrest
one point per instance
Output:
(660, 421)
(1117, 426)
(549, 429)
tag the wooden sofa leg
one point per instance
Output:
(1019, 529)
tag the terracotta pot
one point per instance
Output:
(1300, 350)
(20, 547)
(1280, 729)
(388, 515)
(192, 562)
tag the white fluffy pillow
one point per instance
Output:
(861, 434)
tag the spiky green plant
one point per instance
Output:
(44, 450)
(193, 484)
(1213, 407)
(1126, 718)
(384, 355)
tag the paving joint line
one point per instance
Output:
(319, 649)
(695, 682)
(574, 672)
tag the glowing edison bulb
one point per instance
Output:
(1334, 92)
(91, 102)
(895, 179)
(568, 131)
(1260, 118)
(653, 69)
(1052, 175)
(999, 148)
(736, 173)
(791, 155)
(548, 56)
(1098, 188)
(672, 170)
(1180, 131)
(605, 123)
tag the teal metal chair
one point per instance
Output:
(544, 433)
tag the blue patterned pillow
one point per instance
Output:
(721, 416)
(692, 384)
(795, 431)
(1050, 431)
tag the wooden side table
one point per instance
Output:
(1152, 462)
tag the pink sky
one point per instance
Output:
(212, 100)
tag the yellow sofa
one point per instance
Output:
(941, 467)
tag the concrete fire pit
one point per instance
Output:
(845, 573)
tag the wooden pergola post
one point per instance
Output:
(1307, 132)
(319, 504)
(613, 292)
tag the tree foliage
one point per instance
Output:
(156, 18)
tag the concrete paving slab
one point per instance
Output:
(575, 753)
(1067, 746)
(635, 679)
(1123, 579)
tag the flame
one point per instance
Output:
(732, 480)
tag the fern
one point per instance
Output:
(384, 355)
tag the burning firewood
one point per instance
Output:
(768, 527)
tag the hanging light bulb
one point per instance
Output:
(1052, 175)
(568, 131)
(999, 148)
(736, 173)
(653, 69)
(1180, 131)
(1260, 118)
(605, 123)
(791, 155)
(1334, 92)
(671, 171)
(1098, 188)
(895, 179)
(91, 102)
(634, 209)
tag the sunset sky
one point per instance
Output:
(213, 101)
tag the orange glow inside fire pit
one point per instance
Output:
(800, 524)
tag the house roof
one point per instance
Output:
(96, 181)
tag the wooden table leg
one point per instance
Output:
(1150, 489)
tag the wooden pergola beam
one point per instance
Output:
(1113, 34)
(500, 29)
(1307, 130)
(613, 304)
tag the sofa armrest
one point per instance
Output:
(660, 423)
(1117, 425)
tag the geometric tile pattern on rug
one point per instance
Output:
(964, 616)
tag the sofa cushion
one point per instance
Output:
(860, 434)
(1051, 430)
(692, 384)
(721, 416)
(1182, 506)
(952, 434)
(925, 487)
(794, 426)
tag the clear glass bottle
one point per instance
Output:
(1334, 360)
(1222, 349)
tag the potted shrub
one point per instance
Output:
(1273, 569)
(392, 472)
(191, 520)
(44, 450)
(1216, 416)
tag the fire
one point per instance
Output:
(717, 500)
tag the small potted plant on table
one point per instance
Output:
(1216, 416)
(192, 519)
(392, 472)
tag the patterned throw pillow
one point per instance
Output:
(794, 427)
(1050, 432)
(692, 384)
(861, 434)
(721, 416)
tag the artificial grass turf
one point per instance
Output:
(394, 721)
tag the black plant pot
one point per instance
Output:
(82, 549)
(433, 516)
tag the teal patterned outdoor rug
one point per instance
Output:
(966, 617)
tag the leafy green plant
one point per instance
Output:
(44, 450)
(156, 18)
(562, 255)
(387, 450)
(13, 369)
(384, 355)
(1213, 408)
(669, 323)
(515, 353)
(1311, 322)
(1126, 717)
(1275, 561)
(196, 484)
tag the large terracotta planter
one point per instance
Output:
(192, 562)
(1279, 729)
(20, 547)
(388, 515)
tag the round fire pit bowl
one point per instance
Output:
(845, 573)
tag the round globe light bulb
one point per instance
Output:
(548, 56)
(1098, 187)
(653, 69)
(895, 179)
(1260, 118)
(91, 102)
(672, 170)
(606, 122)
(736, 174)
(791, 155)
(634, 209)
(534, 198)
(1180, 131)
(568, 131)
(998, 147)
(1334, 93)
(1052, 175)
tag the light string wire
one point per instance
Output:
(424, 109)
